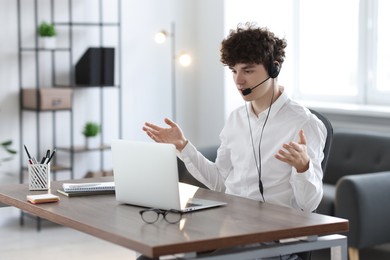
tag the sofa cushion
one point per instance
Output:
(356, 152)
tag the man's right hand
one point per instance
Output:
(172, 134)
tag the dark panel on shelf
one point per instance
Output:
(96, 67)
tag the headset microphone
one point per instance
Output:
(247, 91)
(273, 71)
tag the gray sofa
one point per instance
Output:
(356, 186)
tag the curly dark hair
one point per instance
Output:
(252, 45)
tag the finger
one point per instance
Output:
(146, 128)
(170, 122)
(156, 133)
(152, 126)
(284, 154)
(151, 131)
(292, 147)
(302, 137)
(153, 137)
(281, 157)
(295, 147)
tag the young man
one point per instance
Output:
(272, 147)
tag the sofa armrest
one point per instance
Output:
(364, 200)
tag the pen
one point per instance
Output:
(46, 157)
(31, 160)
(28, 154)
(51, 156)
(43, 160)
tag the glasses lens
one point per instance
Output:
(149, 216)
(172, 216)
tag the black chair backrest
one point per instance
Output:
(329, 137)
(324, 163)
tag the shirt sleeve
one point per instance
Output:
(307, 186)
(201, 168)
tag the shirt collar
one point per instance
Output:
(275, 107)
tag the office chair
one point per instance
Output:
(329, 138)
(324, 163)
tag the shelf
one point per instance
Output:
(86, 86)
(93, 86)
(81, 149)
(45, 110)
(57, 168)
(86, 24)
(53, 168)
(94, 174)
(34, 49)
(61, 86)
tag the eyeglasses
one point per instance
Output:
(150, 216)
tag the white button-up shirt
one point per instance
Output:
(235, 170)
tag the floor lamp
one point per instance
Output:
(184, 60)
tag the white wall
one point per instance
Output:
(146, 74)
(199, 31)
(210, 72)
(9, 91)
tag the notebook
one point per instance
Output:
(146, 175)
(85, 189)
(89, 186)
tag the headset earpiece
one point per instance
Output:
(274, 69)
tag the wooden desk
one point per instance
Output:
(240, 222)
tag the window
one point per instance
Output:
(382, 71)
(337, 50)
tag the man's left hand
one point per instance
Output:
(295, 154)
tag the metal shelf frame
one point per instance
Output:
(36, 51)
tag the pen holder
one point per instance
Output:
(39, 176)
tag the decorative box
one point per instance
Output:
(47, 98)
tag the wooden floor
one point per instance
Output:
(52, 242)
(376, 253)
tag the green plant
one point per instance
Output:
(91, 129)
(6, 146)
(46, 30)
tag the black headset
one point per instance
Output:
(273, 69)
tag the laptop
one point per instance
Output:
(146, 175)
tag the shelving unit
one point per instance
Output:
(52, 118)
